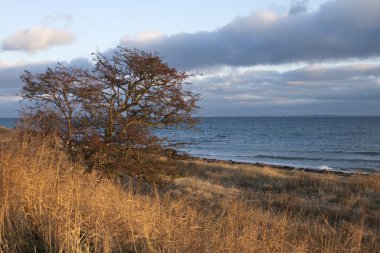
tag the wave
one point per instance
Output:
(298, 162)
(369, 153)
(372, 153)
(300, 158)
(290, 158)
(325, 167)
(286, 159)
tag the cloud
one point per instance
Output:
(10, 86)
(36, 39)
(316, 89)
(232, 91)
(10, 83)
(341, 29)
(147, 36)
(4, 64)
(298, 7)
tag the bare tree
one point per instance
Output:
(109, 113)
(137, 88)
(53, 100)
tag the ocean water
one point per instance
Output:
(8, 122)
(338, 143)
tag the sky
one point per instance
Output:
(288, 57)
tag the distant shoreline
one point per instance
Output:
(280, 167)
(267, 116)
(261, 164)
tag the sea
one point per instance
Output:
(8, 122)
(325, 143)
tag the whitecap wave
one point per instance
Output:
(325, 167)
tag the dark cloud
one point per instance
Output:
(10, 86)
(298, 7)
(348, 90)
(340, 29)
(351, 89)
(10, 83)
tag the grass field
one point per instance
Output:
(48, 204)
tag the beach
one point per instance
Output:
(277, 167)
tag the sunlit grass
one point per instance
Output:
(48, 204)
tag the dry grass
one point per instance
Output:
(50, 205)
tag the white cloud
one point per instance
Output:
(267, 17)
(4, 64)
(7, 99)
(149, 35)
(36, 39)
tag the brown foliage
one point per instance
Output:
(107, 114)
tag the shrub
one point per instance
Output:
(106, 115)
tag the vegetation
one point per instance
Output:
(48, 204)
(82, 125)
(105, 116)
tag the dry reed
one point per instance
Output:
(49, 204)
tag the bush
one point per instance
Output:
(106, 115)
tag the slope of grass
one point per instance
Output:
(48, 204)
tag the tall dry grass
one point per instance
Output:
(48, 204)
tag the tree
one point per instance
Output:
(137, 88)
(54, 100)
(107, 114)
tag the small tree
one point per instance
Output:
(54, 100)
(137, 88)
(108, 114)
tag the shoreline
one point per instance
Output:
(280, 167)
(185, 156)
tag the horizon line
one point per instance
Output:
(265, 115)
